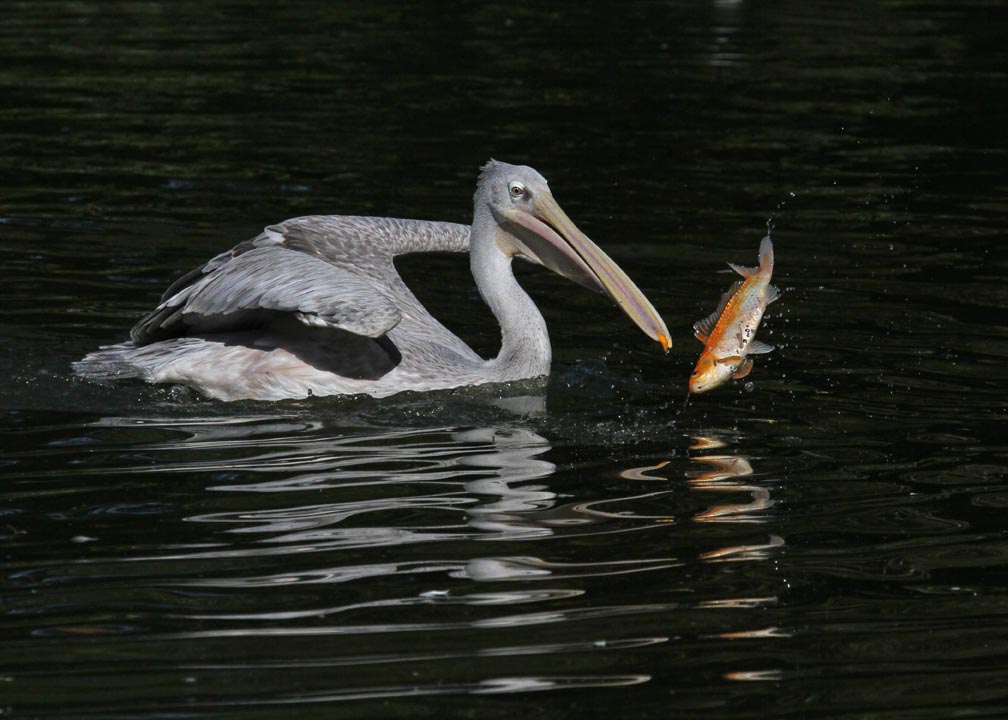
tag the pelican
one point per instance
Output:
(314, 305)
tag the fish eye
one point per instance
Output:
(516, 189)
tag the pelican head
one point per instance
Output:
(533, 226)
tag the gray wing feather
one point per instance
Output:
(274, 278)
(325, 270)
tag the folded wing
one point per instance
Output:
(242, 288)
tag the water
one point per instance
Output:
(825, 540)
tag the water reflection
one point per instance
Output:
(726, 474)
(724, 49)
(513, 459)
(305, 546)
(313, 544)
(439, 474)
(724, 477)
(531, 568)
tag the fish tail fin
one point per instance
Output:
(766, 255)
(765, 260)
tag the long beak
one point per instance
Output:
(552, 239)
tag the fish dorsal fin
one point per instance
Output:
(704, 328)
(744, 369)
(743, 270)
(757, 347)
(727, 295)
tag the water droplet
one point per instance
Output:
(748, 387)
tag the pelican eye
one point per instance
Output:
(516, 189)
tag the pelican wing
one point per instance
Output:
(232, 291)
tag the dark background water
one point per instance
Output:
(829, 541)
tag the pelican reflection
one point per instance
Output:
(363, 486)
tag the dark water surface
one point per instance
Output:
(826, 540)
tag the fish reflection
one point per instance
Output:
(727, 474)
(724, 473)
(722, 477)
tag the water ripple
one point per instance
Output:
(573, 615)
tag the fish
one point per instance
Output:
(729, 333)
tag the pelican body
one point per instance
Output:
(314, 305)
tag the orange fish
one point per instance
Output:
(729, 333)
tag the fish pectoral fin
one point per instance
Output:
(772, 293)
(731, 359)
(744, 369)
(757, 347)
